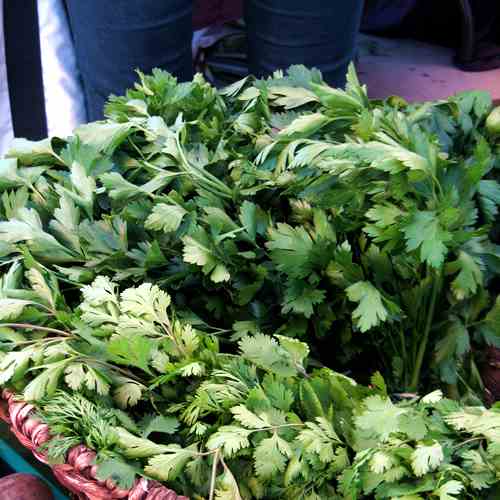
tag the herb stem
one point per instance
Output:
(214, 474)
(28, 326)
(436, 285)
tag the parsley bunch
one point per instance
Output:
(280, 206)
(157, 395)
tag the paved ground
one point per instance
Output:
(416, 71)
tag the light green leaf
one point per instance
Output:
(131, 350)
(136, 447)
(248, 419)
(128, 394)
(46, 382)
(450, 490)
(165, 218)
(74, 375)
(11, 309)
(270, 456)
(371, 310)
(11, 176)
(426, 458)
(104, 136)
(41, 287)
(147, 301)
(380, 418)
(32, 152)
(229, 438)
(168, 466)
(469, 276)
(381, 462)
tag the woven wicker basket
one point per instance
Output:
(78, 474)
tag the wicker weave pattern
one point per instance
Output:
(78, 474)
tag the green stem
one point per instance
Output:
(28, 326)
(404, 355)
(214, 473)
(436, 286)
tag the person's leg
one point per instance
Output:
(115, 37)
(319, 33)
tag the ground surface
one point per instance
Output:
(416, 71)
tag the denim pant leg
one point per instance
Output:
(319, 33)
(115, 37)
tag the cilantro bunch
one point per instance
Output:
(157, 396)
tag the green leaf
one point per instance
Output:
(381, 462)
(128, 394)
(74, 375)
(270, 456)
(229, 438)
(132, 351)
(265, 352)
(299, 351)
(41, 244)
(104, 136)
(147, 301)
(291, 97)
(65, 225)
(490, 326)
(450, 349)
(371, 310)
(32, 152)
(304, 126)
(450, 490)
(426, 458)
(15, 364)
(377, 380)
(168, 466)
(425, 232)
(319, 438)
(136, 447)
(159, 423)
(291, 250)
(469, 276)
(300, 298)
(248, 419)
(199, 250)
(384, 215)
(11, 176)
(41, 287)
(46, 382)
(489, 198)
(227, 486)
(165, 218)
(11, 309)
(478, 422)
(83, 188)
(381, 417)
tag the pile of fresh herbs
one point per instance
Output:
(194, 267)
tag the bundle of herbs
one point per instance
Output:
(281, 206)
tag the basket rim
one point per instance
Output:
(78, 473)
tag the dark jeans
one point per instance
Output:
(114, 37)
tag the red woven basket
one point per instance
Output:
(78, 474)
